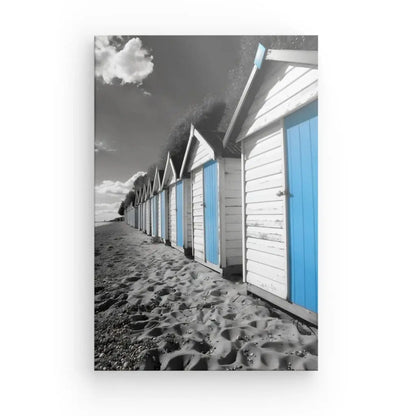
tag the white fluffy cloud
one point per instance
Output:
(117, 188)
(131, 65)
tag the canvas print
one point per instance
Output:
(206, 203)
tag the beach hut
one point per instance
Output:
(175, 215)
(215, 200)
(138, 186)
(143, 203)
(276, 124)
(139, 208)
(155, 203)
(135, 210)
(165, 212)
(168, 202)
(148, 215)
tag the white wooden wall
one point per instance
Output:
(188, 213)
(200, 153)
(154, 203)
(198, 214)
(265, 222)
(148, 216)
(172, 214)
(166, 216)
(159, 212)
(285, 89)
(232, 216)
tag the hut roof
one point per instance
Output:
(157, 182)
(170, 171)
(215, 141)
(263, 59)
(177, 158)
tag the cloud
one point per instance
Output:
(100, 146)
(117, 188)
(131, 65)
(104, 207)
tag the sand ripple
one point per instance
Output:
(157, 310)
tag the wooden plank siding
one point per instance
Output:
(148, 217)
(144, 216)
(283, 88)
(172, 215)
(232, 212)
(286, 88)
(159, 213)
(265, 222)
(188, 213)
(197, 214)
(200, 153)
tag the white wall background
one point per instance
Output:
(367, 211)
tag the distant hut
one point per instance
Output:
(215, 203)
(143, 202)
(138, 208)
(168, 179)
(155, 204)
(138, 185)
(276, 124)
(129, 208)
(148, 215)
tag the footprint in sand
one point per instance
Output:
(277, 346)
(229, 358)
(138, 325)
(155, 332)
(312, 347)
(231, 334)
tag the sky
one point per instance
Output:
(143, 85)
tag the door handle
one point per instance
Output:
(285, 192)
(203, 205)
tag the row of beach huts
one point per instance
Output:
(247, 201)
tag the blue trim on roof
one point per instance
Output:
(258, 60)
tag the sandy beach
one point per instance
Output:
(155, 309)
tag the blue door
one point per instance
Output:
(302, 159)
(211, 211)
(162, 214)
(179, 214)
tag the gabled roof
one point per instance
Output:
(300, 57)
(137, 197)
(149, 186)
(214, 140)
(170, 172)
(142, 192)
(157, 181)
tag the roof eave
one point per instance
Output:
(302, 57)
